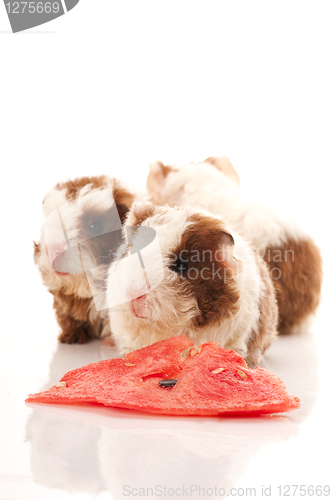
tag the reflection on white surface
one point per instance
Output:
(204, 455)
(95, 449)
(64, 455)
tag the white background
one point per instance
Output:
(112, 86)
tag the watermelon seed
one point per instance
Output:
(129, 364)
(242, 374)
(170, 382)
(61, 384)
(218, 370)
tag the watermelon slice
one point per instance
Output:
(158, 379)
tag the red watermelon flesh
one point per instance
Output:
(210, 381)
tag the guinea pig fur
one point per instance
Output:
(215, 286)
(293, 258)
(89, 215)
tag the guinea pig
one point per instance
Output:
(293, 258)
(80, 234)
(213, 285)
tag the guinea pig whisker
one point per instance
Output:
(108, 255)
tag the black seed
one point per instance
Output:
(169, 382)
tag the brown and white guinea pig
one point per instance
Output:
(293, 258)
(80, 234)
(213, 286)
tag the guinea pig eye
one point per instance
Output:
(179, 266)
(95, 227)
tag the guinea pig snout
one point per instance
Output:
(53, 253)
(138, 306)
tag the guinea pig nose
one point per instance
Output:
(138, 306)
(54, 252)
(134, 293)
(139, 300)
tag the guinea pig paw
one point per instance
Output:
(74, 336)
(252, 360)
(108, 341)
(251, 363)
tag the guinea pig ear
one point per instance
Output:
(223, 164)
(225, 254)
(157, 177)
(53, 200)
(139, 212)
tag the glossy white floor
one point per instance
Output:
(59, 452)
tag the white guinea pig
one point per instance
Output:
(83, 212)
(292, 256)
(210, 284)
